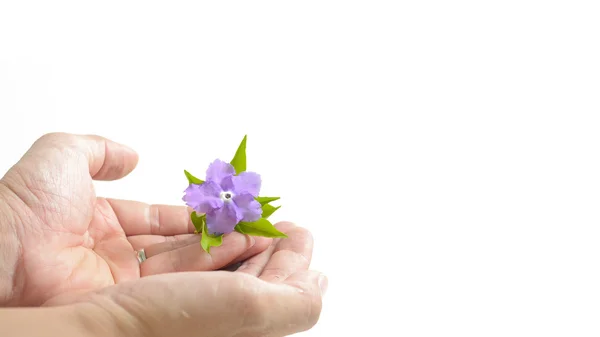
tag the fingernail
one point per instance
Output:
(252, 241)
(323, 283)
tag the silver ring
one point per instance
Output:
(141, 255)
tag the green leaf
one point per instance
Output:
(265, 200)
(198, 221)
(192, 179)
(267, 210)
(261, 227)
(239, 160)
(208, 240)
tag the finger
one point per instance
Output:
(138, 218)
(304, 280)
(255, 265)
(170, 245)
(290, 255)
(261, 244)
(156, 244)
(291, 307)
(146, 241)
(193, 258)
(106, 159)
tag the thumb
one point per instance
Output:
(106, 159)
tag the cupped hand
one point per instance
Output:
(271, 294)
(57, 236)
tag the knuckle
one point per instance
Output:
(285, 226)
(301, 231)
(57, 142)
(56, 137)
(292, 229)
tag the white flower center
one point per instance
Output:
(226, 196)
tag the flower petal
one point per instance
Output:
(224, 219)
(250, 208)
(245, 182)
(203, 198)
(219, 170)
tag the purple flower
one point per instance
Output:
(225, 198)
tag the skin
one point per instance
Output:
(69, 256)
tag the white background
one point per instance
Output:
(445, 154)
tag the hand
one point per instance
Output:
(271, 294)
(56, 236)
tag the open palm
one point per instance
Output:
(69, 240)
